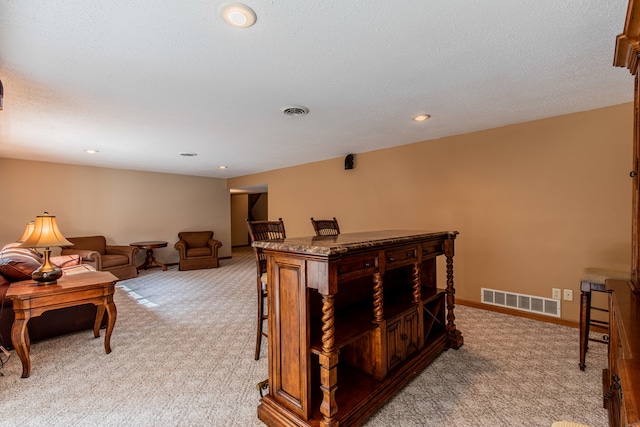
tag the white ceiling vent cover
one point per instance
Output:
(295, 110)
(530, 303)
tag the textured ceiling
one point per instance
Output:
(142, 80)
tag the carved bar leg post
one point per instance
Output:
(417, 297)
(416, 280)
(380, 334)
(455, 337)
(328, 365)
(378, 311)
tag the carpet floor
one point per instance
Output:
(183, 349)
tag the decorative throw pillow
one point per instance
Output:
(18, 263)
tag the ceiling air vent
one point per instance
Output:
(295, 111)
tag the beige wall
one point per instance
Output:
(124, 206)
(534, 202)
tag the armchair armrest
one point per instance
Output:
(214, 245)
(129, 251)
(88, 256)
(181, 246)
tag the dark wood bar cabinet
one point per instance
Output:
(352, 318)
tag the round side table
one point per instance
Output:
(150, 260)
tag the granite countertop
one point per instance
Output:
(343, 243)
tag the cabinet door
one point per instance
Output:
(410, 335)
(611, 377)
(403, 339)
(395, 353)
(289, 342)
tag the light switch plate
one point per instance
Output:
(568, 295)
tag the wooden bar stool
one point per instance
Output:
(592, 279)
(263, 230)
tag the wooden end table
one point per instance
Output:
(31, 300)
(150, 260)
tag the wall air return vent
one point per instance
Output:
(530, 303)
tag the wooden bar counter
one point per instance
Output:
(352, 318)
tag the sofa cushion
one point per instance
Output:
(206, 251)
(18, 263)
(114, 261)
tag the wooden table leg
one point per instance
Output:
(150, 261)
(112, 313)
(21, 342)
(98, 321)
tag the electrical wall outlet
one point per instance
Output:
(568, 295)
(556, 293)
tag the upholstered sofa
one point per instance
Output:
(119, 260)
(17, 264)
(197, 249)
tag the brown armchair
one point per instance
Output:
(197, 249)
(119, 260)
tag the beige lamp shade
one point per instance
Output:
(27, 232)
(45, 234)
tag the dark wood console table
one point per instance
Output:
(352, 318)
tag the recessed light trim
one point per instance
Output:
(421, 117)
(188, 154)
(237, 14)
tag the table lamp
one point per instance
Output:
(27, 232)
(46, 234)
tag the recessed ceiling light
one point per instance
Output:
(421, 117)
(91, 151)
(237, 14)
(188, 154)
(223, 167)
